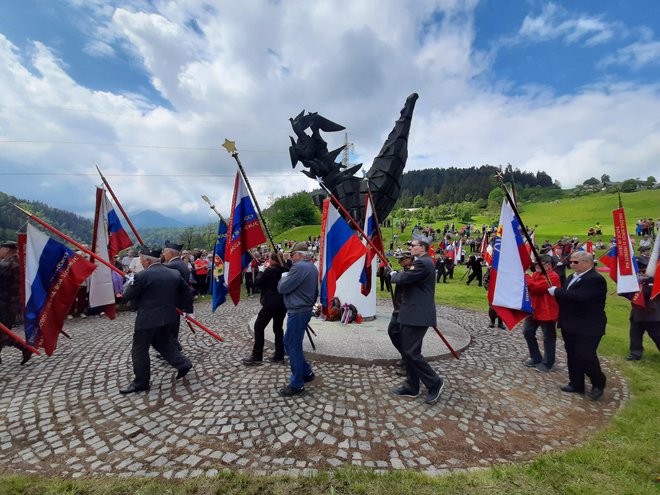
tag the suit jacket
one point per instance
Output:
(179, 265)
(582, 306)
(417, 293)
(158, 291)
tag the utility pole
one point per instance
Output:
(348, 147)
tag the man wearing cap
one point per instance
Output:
(300, 288)
(172, 256)
(10, 294)
(416, 315)
(405, 259)
(157, 292)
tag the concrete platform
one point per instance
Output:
(368, 342)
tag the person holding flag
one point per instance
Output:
(272, 308)
(416, 315)
(300, 288)
(157, 292)
(582, 321)
(10, 295)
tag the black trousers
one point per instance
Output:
(263, 318)
(417, 368)
(637, 329)
(161, 339)
(583, 360)
(394, 331)
(474, 275)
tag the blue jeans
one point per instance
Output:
(296, 324)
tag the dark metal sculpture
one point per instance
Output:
(383, 178)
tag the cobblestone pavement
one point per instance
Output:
(64, 416)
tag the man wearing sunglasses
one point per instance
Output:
(416, 315)
(582, 321)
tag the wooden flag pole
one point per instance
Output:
(109, 265)
(128, 220)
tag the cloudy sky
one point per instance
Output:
(149, 90)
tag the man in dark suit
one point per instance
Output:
(582, 321)
(157, 292)
(172, 257)
(416, 314)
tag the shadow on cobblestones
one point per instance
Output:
(64, 415)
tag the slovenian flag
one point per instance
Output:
(105, 244)
(371, 229)
(340, 248)
(53, 274)
(507, 291)
(246, 233)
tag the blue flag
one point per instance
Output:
(218, 281)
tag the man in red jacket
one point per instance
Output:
(545, 315)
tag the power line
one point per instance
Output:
(85, 174)
(119, 145)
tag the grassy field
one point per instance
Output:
(624, 458)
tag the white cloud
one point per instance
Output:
(636, 55)
(244, 68)
(555, 22)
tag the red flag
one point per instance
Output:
(245, 233)
(53, 275)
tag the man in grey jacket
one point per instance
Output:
(416, 315)
(300, 288)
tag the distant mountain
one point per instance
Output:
(149, 219)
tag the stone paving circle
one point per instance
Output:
(368, 342)
(63, 415)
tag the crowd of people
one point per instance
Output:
(158, 283)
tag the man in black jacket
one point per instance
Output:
(416, 315)
(272, 308)
(582, 321)
(172, 258)
(157, 292)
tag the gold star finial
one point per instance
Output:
(230, 146)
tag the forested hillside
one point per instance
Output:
(11, 219)
(454, 185)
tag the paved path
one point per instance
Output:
(64, 416)
(368, 343)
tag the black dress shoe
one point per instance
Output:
(132, 388)
(275, 359)
(570, 390)
(596, 393)
(290, 391)
(251, 361)
(633, 358)
(27, 355)
(183, 372)
(309, 378)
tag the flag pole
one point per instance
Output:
(500, 177)
(230, 146)
(380, 255)
(355, 224)
(128, 220)
(19, 340)
(106, 263)
(212, 206)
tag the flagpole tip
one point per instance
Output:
(230, 146)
